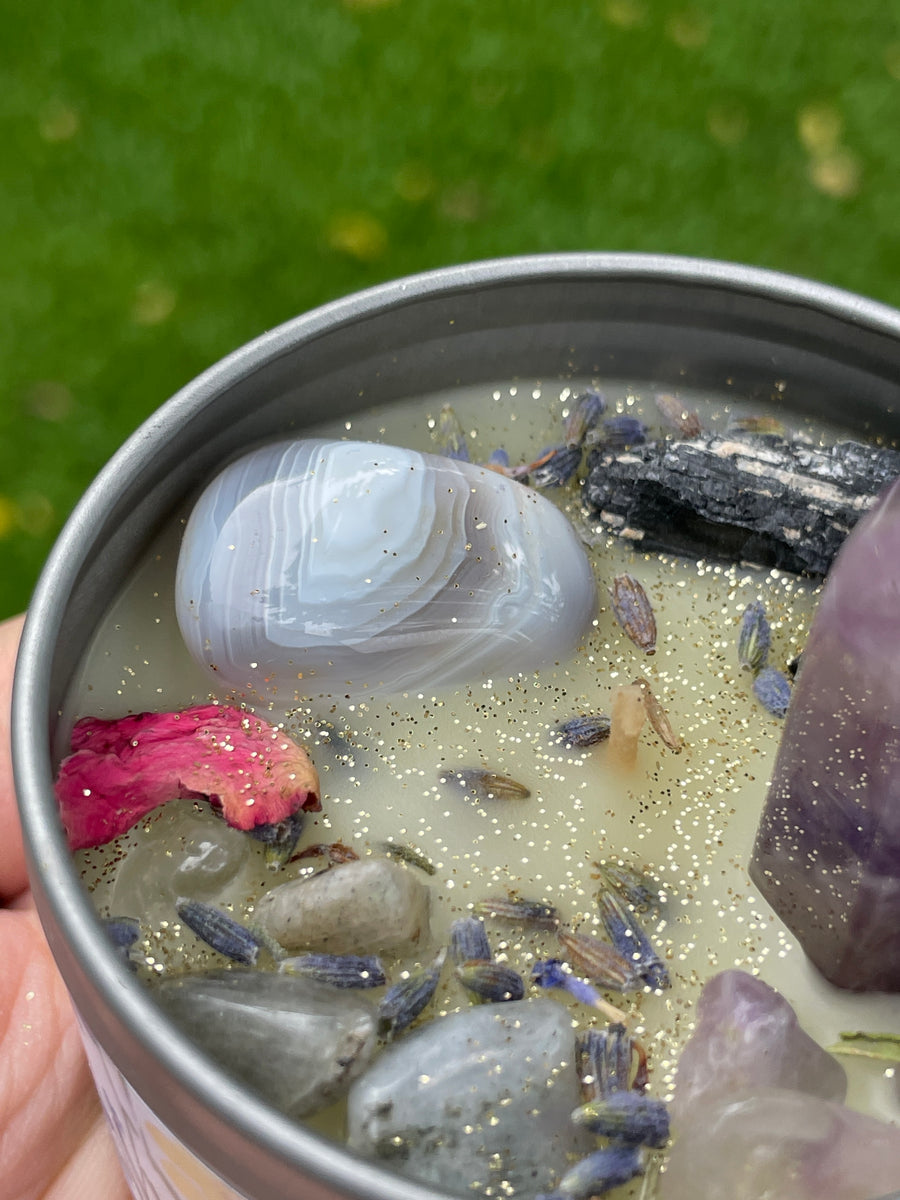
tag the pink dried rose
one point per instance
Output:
(120, 770)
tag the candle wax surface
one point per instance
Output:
(688, 819)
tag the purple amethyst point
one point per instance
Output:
(827, 853)
(748, 1036)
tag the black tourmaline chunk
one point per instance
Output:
(762, 500)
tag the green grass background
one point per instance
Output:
(177, 177)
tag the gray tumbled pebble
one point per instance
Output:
(476, 1102)
(357, 908)
(297, 1042)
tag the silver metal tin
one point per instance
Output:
(677, 320)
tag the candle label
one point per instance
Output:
(156, 1164)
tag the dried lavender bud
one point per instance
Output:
(754, 637)
(604, 1059)
(339, 970)
(279, 838)
(499, 458)
(685, 423)
(586, 730)
(585, 413)
(469, 940)
(403, 1002)
(598, 961)
(555, 466)
(123, 932)
(636, 887)
(491, 981)
(630, 940)
(659, 718)
(621, 431)
(602, 1171)
(551, 973)
(634, 612)
(537, 913)
(519, 472)
(485, 785)
(409, 855)
(220, 931)
(626, 1117)
(772, 690)
(451, 436)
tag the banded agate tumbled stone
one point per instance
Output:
(827, 853)
(324, 567)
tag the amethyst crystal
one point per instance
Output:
(775, 1142)
(748, 1037)
(827, 854)
(757, 1109)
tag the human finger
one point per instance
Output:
(54, 1143)
(13, 877)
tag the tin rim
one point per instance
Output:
(264, 1145)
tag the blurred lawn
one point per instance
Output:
(178, 177)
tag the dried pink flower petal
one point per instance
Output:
(120, 770)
